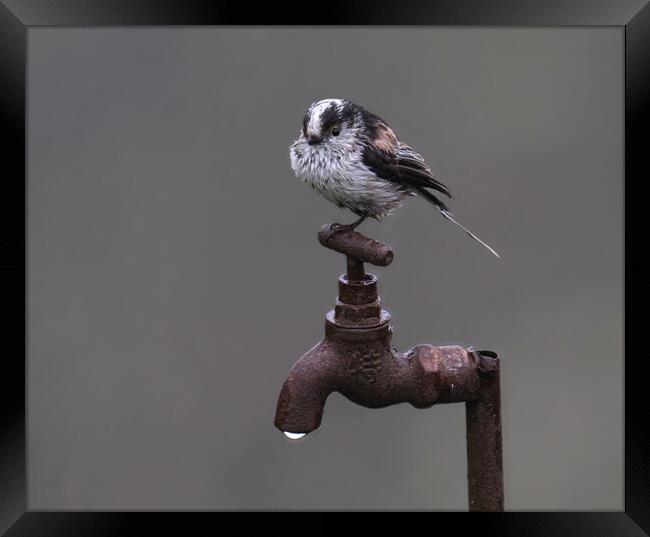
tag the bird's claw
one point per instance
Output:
(339, 228)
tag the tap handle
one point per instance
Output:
(356, 246)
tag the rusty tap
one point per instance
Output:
(356, 359)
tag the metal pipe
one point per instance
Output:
(484, 442)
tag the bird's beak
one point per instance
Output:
(313, 140)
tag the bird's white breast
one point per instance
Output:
(340, 175)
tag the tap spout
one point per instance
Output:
(302, 398)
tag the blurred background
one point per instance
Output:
(174, 274)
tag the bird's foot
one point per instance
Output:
(340, 228)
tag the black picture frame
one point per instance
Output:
(15, 22)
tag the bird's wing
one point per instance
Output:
(398, 163)
(412, 168)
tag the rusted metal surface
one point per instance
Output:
(484, 442)
(356, 359)
(355, 245)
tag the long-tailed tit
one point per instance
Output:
(353, 158)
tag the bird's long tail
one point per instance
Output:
(444, 210)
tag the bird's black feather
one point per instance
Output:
(404, 166)
(444, 210)
(435, 201)
(411, 164)
(418, 178)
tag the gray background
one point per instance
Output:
(174, 275)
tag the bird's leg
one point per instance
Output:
(347, 227)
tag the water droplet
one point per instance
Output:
(294, 436)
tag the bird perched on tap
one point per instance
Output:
(354, 159)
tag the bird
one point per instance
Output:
(353, 158)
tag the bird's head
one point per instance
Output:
(330, 123)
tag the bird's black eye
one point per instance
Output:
(335, 130)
